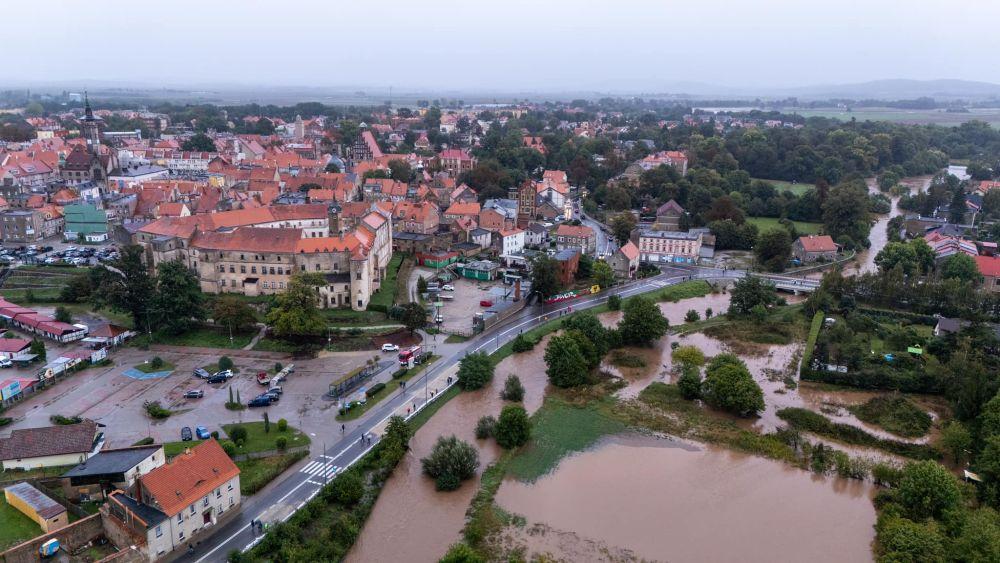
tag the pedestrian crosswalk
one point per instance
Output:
(320, 469)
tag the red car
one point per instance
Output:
(485, 303)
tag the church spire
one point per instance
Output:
(86, 105)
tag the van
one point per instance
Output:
(446, 297)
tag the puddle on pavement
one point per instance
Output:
(689, 503)
(413, 522)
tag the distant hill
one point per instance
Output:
(897, 89)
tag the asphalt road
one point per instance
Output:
(279, 501)
(605, 244)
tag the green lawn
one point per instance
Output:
(685, 290)
(257, 439)
(207, 337)
(455, 339)
(148, 367)
(350, 316)
(390, 388)
(768, 223)
(260, 441)
(797, 188)
(256, 473)
(275, 345)
(15, 527)
(387, 289)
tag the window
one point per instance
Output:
(180, 518)
(192, 509)
(229, 487)
(281, 285)
(272, 271)
(232, 269)
(253, 269)
(265, 285)
(205, 502)
(159, 531)
(222, 268)
(231, 503)
(303, 267)
(180, 534)
(317, 267)
(243, 269)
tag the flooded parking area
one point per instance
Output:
(664, 500)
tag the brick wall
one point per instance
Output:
(71, 537)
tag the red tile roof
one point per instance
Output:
(630, 250)
(49, 440)
(818, 243)
(988, 266)
(574, 231)
(189, 477)
(463, 208)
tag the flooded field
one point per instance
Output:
(413, 522)
(657, 499)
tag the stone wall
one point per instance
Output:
(71, 537)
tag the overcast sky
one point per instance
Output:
(509, 45)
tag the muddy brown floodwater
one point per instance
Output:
(413, 522)
(671, 501)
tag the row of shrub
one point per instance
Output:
(885, 315)
(809, 421)
(814, 328)
(881, 377)
(374, 389)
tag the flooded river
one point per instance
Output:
(413, 522)
(669, 501)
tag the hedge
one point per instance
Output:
(817, 324)
(882, 378)
(399, 373)
(375, 389)
(805, 419)
(888, 315)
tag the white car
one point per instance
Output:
(390, 347)
(448, 287)
(6, 363)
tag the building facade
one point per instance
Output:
(669, 246)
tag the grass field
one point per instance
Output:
(781, 185)
(936, 117)
(256, 473)
(148, 367)
(206, 337)
(685, 290)
(391, 387)
(257, 439)
(15, 527)
(387, 289)
(768, 223)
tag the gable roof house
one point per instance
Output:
(50, 446)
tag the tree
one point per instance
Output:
(267, 424)
(961, 267)
(178, 299)
(544, 275)
(513, 390)
(749, 292)
(450, 462)
(475, 371)
(565, 364)
(980, 537)
(332, 167)
(845, 214)
(238, 435)
(347, 489)
(585, 267)
(461, 553)
(587, 323)
(225, 362)
(37, 348)
(689, 383)
(774, 249)
(485, 426)
(414, 316)
(295, 312)
(513, 428)
(614, 302)
(902, 540)
(956, 439)
(729, 386)
(688, 356)
(691, 316)
(927, 490)
(642, 322)
(400, 170)
(231, 311)
(63, 315)
(622, 225)
(421, 285)
(603, 275)
(126, 286)
(200, 142)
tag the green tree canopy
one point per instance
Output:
(178, 300)
(961, 267)
(475, 371)
(126, 286)
(927, 490)
(513, 428)
(749, 292)
(295, 312)
(603, 275)
(565, 364)
(774, 249)
(642, 322)
(450, 462)
(231, 311)
(200, 142)
(414, 316)
(544, 275)
(729, 386)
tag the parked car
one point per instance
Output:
(202, 433)
(263, 378)
(6, 363)
(275, 389)
(217, 379)
(446, 297)
(390, 347)
(227, 373)
(201, 373)
(273, 395)
(261, 401)
(448, 287)
(485, 303)
(186, 434)
(439, 319)
(194, 394)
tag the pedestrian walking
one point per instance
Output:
(343, 428)
(362, 439)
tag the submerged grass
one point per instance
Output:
(895, 413)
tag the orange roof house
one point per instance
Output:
(187, 478)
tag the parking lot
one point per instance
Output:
(106, 395)
(468, 298)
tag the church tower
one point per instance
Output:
(90, 127)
